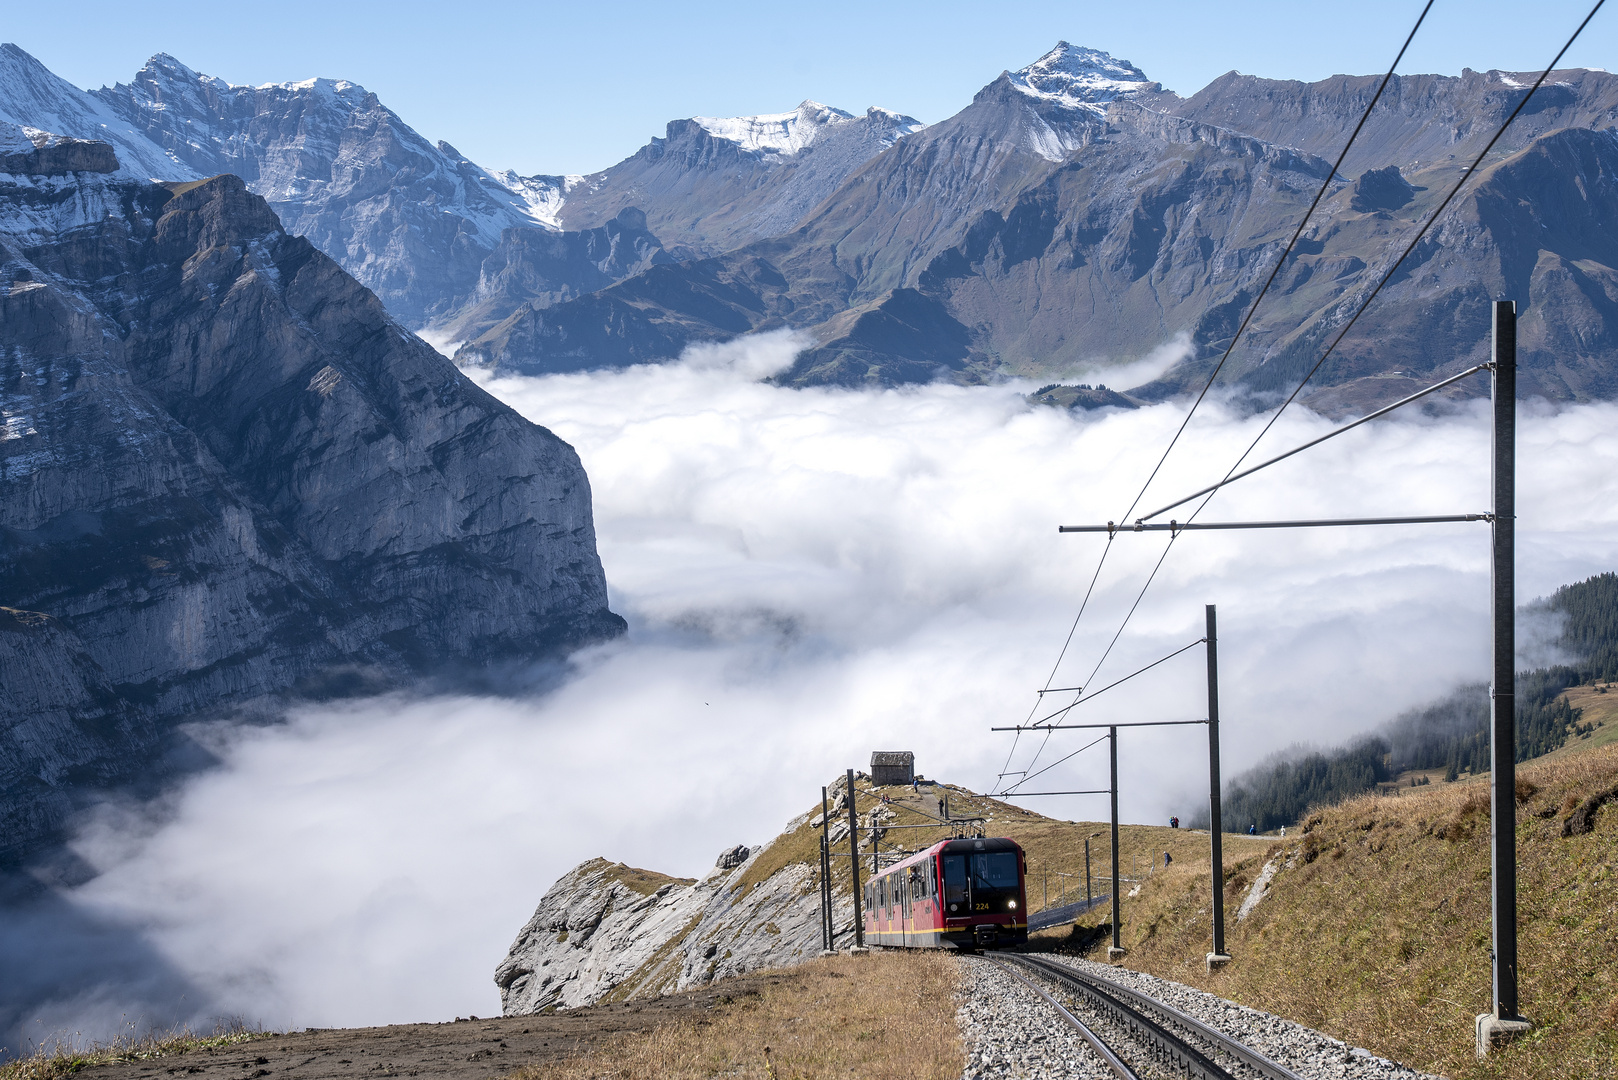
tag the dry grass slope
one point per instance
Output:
(644, 882)
(1376, 929)
(65, 1059)
(888, 1016)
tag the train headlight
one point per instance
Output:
(952, 907)
(1013, 905)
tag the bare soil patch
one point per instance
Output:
(459, 1050)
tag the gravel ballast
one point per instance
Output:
(1009, 1050)
(1011, 1032)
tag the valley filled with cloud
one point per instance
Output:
(808, 575)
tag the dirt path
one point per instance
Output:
(462, 1050)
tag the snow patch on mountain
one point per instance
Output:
(543, 195)
(1079, 78)
(776, 133)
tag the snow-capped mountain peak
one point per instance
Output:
(775, 133)
(32, 97)
(1078, 77)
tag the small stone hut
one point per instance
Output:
(892, 767)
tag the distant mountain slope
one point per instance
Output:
(714, 184)
(1422, 120)
(226, 474)
(410, 220)
(32, 97)
(1075, 213)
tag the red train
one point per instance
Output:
(961, 894)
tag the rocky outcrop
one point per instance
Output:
(607, 932)
(55, 156)
(226, 474)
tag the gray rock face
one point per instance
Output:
(53, 155)
(532, 269)
(711, 185)
(605, 931)
(731, 858)
(226, 473)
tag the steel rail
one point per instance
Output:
(1160, 1041)
(1114, 1062)
(1133, 1000)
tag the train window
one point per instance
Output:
(994, 870)
(955, 879)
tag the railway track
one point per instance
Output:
(1159, 1038)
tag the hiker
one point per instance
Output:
(1167, 858)
(1252, 830)
(1283, 832)
(940, 807)
(1174, 823)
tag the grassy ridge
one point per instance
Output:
(1376, 926)
(1452, 734)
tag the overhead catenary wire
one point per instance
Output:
(1332, 434)
(1252, 308)
(1048, 679)
(1325, 186)
(1141, 671)
(1012, 790)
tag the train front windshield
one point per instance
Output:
(994, 871)
(979, 879)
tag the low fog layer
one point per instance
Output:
(809, 576)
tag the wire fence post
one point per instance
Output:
(854, 862)
(1504, 1022)
(1117, 949)
(1216, 840)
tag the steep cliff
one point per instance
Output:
(226, 473)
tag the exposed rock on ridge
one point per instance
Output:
(607, 932)
(225, 472)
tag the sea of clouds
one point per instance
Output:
(808, 575)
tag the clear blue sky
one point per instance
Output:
(574, 87)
